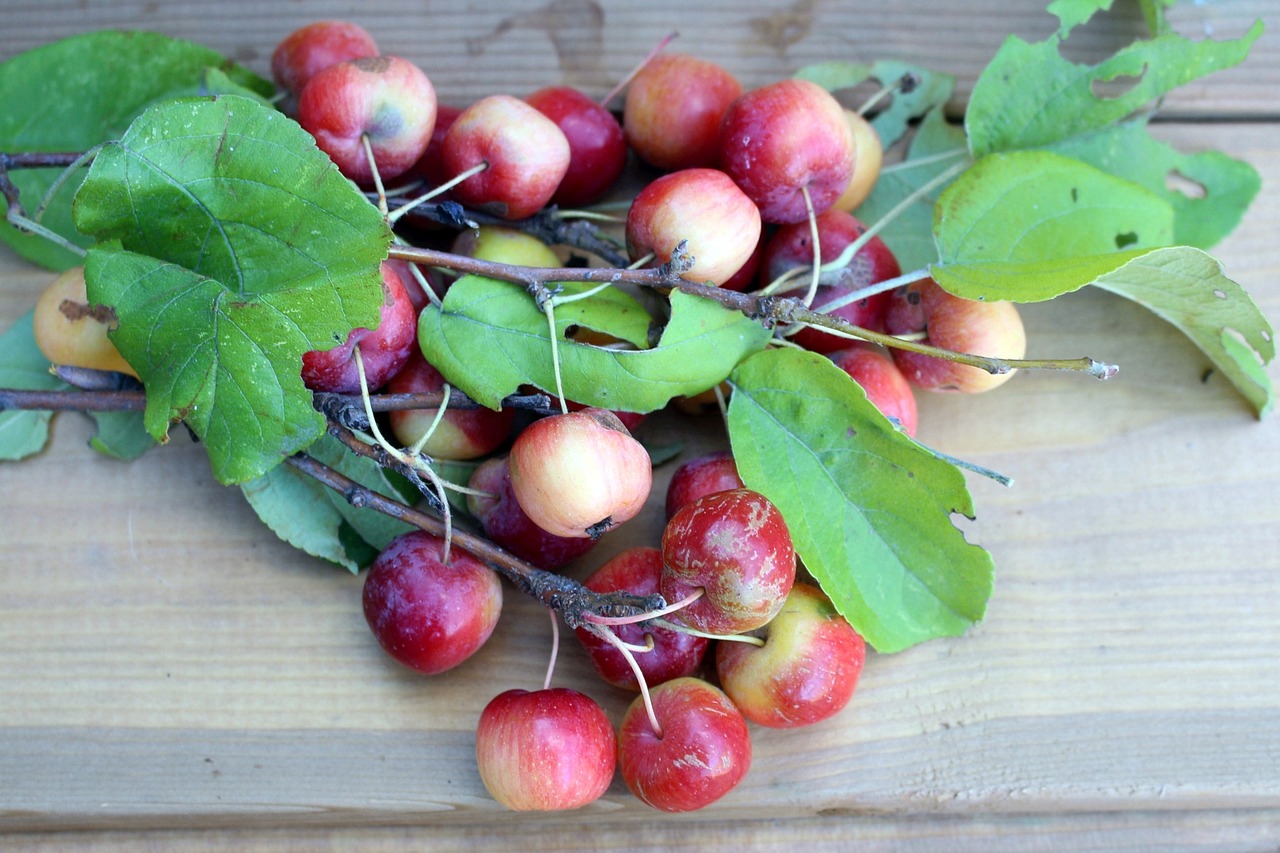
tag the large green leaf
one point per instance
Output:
(489, 338)
(22, 365)
(232, 247)
(71, 95)
(869, 510)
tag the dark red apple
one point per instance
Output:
(508, 525)
(597, 148)
(309, 50)
(705, 475)
(885, 386)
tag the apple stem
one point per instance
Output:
(644, 617)
(694, 632)
(612, 639)
(421, 279)
(63, 177)
(417, 446)
(555, 649)
(559, 299)
(546, 301)
(941, 156)
(865, 293)
(817, 249)
(621, 84)
(906, 83)
(377, 177)
(982, 470)
(394, 216)
(14, 212)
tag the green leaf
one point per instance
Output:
(489, 338)
(1029, 95)
(1072, 13)
(1226, 186)
(1036, 206)
(372, 526)
(868, 509)
(121, 435)
(232, 246)
(610, 311)
(932, 90)
(71, 95)
(22, 365)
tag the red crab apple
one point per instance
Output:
(673, 110)
(427, 614)
(460, 434)
(429, 165)
(508, 525)
(309, 50)
(703, 752)
(735, 547)
(992, 329)
(782, 139)
(526, 153)
(545, 750)
(885, 386)
(384, 350)
(702, 207)
(385, 98)
(674, 654)
(806, 670)
(597, 149)
(704, 475)
(579, 474)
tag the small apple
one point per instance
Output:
(307, 51)
(70, 331)
(597, 148)
(885, 386)
(673, 110)
(704, 475)
(460, 434)
(508, 525)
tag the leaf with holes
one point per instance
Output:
(929, 90)
(231, 246)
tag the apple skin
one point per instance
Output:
(545, 750)
(597, 147)
(673, 110)
(735, 547)
(68, 331)
(505, 246)
(579, 474)
(461, 433)
(509, 526)
(675, 654)
(868, 157)
(704, 751)
(429, 166)
(784, 136)
(387, 98)
(885, 386)
(307, 51)
(425, 614)
(527, 154)
(992, 329)
(704, 475)
(384, 350)
(703, 207)
(804, 673)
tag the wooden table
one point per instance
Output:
(172, 677)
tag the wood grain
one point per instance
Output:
(166, 663)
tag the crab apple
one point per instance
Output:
(309, 50)
(868, 157)
(429, 166)
(460, 434)
(508, 525)
(705, 475)
(992, 329)
(70, 331)
(579, 474)
(885, 386)
(805, 672)
(735, 547)
(745, 278)
(702, 207)
(674, 654)
(673, 110)
(597, 148)
(385, 98)
(702, 753)
(383, 350)
(526, 153)
(506, 246)
(783, 139)
(427, 614)
(417, 292)
(545, 750)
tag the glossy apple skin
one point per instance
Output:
(508, 525)
(461, 433)
(384, 350)
(309, 50)
(991, 329)
(386, 97)
(804, 673)
(704, 475)
(527, 154)
(868, 157)
(675, 654)
(784, 136)
(579, 474)
(885, 386)
(673, 110)
(68, 331)
(706, 209)
(425, 614)
(735, 546)
(704, 751)
(545, 750)
(597, 148)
